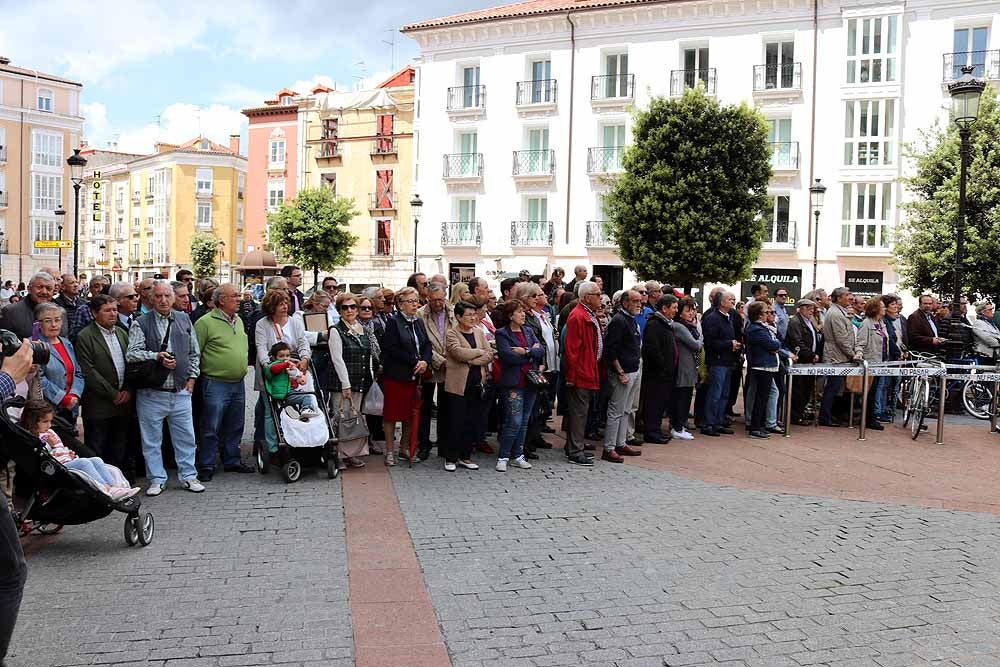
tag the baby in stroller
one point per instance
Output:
(36, 417)
(282, 378)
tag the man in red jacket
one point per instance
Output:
(583, 347)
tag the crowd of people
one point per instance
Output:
(643, 365)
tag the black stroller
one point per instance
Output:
(304, 438)
(55, 496)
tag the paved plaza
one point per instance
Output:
(628, 565)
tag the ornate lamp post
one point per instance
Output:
(61, 214)
(76, 164)
(816, 194)
(416, 205)
(222, 249)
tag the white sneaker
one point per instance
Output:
(501, 465)
(520, 462)
(469, 466)
(683, 435)
(449, 466)
(155, 489)
(193, 485)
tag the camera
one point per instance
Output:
(10, 344)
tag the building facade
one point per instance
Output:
(40, 124)
(524, 111)
(142, 212)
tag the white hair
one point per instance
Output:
(587, 288)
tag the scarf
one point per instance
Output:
(597, 325)
(691, 326)
(369, 328)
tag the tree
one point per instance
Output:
(312, 229)
(689, 207)
(204, 252)
(925, 243)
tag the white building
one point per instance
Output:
(523, 110)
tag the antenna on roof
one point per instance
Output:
(359, 79)
(392, 48)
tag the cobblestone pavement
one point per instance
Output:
(251, 572)
(619, 565)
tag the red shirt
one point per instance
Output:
(70, 370)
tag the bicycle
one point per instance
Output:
(917, 393)
(977, 396)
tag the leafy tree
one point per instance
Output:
(204, 253)
(689, 206)
(312, 229)
(925, 244)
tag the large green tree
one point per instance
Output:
(925, 243)
(204, 253)
(689, 207)
(312, 229)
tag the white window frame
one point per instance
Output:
(46, 193)
(875, 219)
(45, 100)
(862, 54)
(276, 153)
(46, 150)
(771, 223)
(204, 180)
(204, 215)
(876, 137)
(275, 195)
(241, 183)
(44, 229)
(239, 216)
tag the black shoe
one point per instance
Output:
(775, 429)
(875, 426)
(730, 413)
(635, 442)
(725, 430)
(531, 456)
(596, 435)
(424, 453)
(656, 439)
(206, 475)
(801, 422)
(582, 461)
(763, 435)
(240, 467)
(711, 432)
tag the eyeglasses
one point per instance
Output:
(407, 301)
(49, 320)
(643, 292)
(348, 306)
(769, 312)
(366, 309)
(781, 296)
(129, 296)
(188, 279)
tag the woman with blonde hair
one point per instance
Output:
(459, 293)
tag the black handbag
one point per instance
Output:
(536, 378)
(148, 373)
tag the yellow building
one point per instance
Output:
(359, 144)
(40, 124)
(142, 212)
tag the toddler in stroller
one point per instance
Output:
(283, 380)
(36, 418)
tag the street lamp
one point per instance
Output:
(965, 94)
(816, 194)
(222, 247)
(61, 214)
(415, 205)
(76, 164)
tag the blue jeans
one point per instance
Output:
(518, 402)
(884, 393)
(718, 395)
(154, 408)
(93, 468)
(221, 422)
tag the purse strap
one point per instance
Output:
(166, 337)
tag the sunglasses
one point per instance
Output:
(781, 296)
(129, 296)
(349, 306)
(366, 309)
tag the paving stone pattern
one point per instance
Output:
(619, 565)
(251, 572)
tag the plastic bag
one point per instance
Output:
(373, 401)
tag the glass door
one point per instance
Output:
(613, 143)
(469, 149)
(466, 221)
(779, 133)
(538, 216)
(470, 91)
(616, 81)
(541, 84)
(539, 158)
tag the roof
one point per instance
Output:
(36, 74)
(522, 9)
(402, 78)
(270, 109)
(194, 146)
(380, 98)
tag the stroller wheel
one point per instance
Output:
(332, 469)
(49, 528)
(292, 471)
(131, 530)
(145, 528)
(261, 458)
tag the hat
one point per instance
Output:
(679, 293)
(804, 302)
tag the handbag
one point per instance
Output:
(374, 401)
(351, 425)
(149, 373)
(854, 384)
(536, 378)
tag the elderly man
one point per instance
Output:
(804, 340)
(922, 327)
(579, 275)
(781, 312)
(145, 295)
(660, 356)
(478, 287)
(169, 403)
(127, 299)
(100, 349)
(182, 297)
(187, 277)
(84, 316)
(440, 280)
(224, 347)
(438, 318)
(838, 348)
(69, 295)
(622, 355)
(582, 346)
(20, 317)
(722, 350)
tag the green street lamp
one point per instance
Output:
(816, 195)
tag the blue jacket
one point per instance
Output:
(762, 346)
(719, 335)
(53, 374)
(510, 361)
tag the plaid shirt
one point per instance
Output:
(137, 347)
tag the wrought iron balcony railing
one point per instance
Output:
(466, 97)
(384, 146)
(534, 162)
(385, 201)
(463, 165)
(597, 235)
(382, 247)
(682, 79)
(781, 235)
(612, 87)
(461, 234)
(531, 233)
(605, 159)
(779, 76)
(784, 155)
(986, 64)
(541, 91)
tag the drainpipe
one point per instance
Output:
(812, 127)
(569, 147)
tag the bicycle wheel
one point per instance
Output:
(977, 397)
(919, 403)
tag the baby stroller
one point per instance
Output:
(304, 432)
(54, 495)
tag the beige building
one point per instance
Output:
(40, 124)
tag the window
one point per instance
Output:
(46, 149)
(537, 218)
(869, 129)
(538, 159)
(970, 46)
(150, 185)
(275, 195)
(149, 250)
(541, 76)
(135, 253)
(330, 182)
(383, 133)
(329, 130)
(466, 210)
(120, 231)
(46, 192)
(286, 100)
(383, 237)
(136, 222)
(779, 65)
(784, 153)
(44, 229)
(204, 145)
(471, 97)
(695, 66)
(384, 196)
(867, 210)
(607, 157)
(616, 75)
(466, 163)
(241, 181)
(776, 225)
(239, 247)
(203, 181)
(239, 217)
(161, 183)
(871, 49)
(204, 215)
(45, 97)
(277, 152)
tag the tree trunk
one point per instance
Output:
(315, 276)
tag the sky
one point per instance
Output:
(171, 70)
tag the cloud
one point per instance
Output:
(96, 115)
(179, 122)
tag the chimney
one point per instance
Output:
(234, 143)
(4, 60)
(163, 147)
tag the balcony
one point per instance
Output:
(605, 160)
(780, 235)
(3, 200)
(531, 234)
(203, 192)
(461, 234)
(385, 201)
(986, 65)
(466, 101)
(120, 204)
(135, 229)
(3, 154)
(135, 197)
(777, 80)
(463, 167)
(148, 261)
(536, 96)
(597, 235)
(784, 156)
(612, 90)
(329, 150)
(384, 146)
(534, 166)
(150, 196)
(382, 247)
(239, 194)
(682, 79)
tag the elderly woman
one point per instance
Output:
(61, 378)
(872, 345)
(353, 356)
(762, 359)
(276, 326)
(520, 351)
(467, 359)
(895, 327)
(368, 310)
(985, 334)
(373, 319)
(533, 299)
(687, 335)
(405, 358)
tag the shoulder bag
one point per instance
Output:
(148, 373)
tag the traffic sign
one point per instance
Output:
(54, 244)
